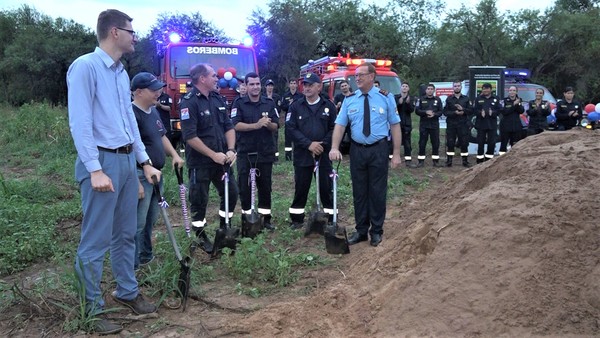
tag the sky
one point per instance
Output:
(229, 15)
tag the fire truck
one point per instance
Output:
(334, 69)
(231, 62)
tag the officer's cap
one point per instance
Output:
(145, 80)
(311, 78)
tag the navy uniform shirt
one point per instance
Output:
(260, 140)
(562, 113)
(206, 118)
(165, 116)
(487, 122)
(511, 115)
(432, 103)
(538, 114)
(383, 114)
(454, 120)
(288, 98)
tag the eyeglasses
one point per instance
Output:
(362, 74)
(127, 30)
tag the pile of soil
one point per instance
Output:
(518, 255)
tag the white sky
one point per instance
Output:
(229, 15)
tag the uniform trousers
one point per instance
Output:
(302, 180)
(200, 179)
(264, 176)
(369, 172)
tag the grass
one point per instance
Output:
(41, 211)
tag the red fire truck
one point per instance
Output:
(232, 63)
(334, 69)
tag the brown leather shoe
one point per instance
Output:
(138, 305)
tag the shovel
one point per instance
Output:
(183, 282)
(333, 243)
(182, 192)
(225, 237)
(252, 223)
(318, 218)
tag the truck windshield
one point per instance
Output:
(390, 83)
(182, 58)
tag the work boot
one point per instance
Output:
(103, 326)
(449, 161)
(479, 160)
(408, 164)
(436, 163)
(465, 161)
(138, 305)
(202, 241)
(421, 164)
(288, 155)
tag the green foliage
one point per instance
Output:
(258, 260)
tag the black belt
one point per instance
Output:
(121, 150)
(369, 145)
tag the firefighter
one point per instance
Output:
(163, 106)
(270, 93)
(510, 125)
(568, 111)
(289, 97)
(406, 106)
(458, 112)
(485, 109)
(538, 112)
(310, 122)
(210, 146)
(429, 108)
(255, 119)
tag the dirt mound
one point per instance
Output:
(518, 256)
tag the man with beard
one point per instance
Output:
(458, 112)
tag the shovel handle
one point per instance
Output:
(179, 174)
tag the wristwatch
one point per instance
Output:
(147, 162)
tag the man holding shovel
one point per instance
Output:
(146, 89)
(371, 113)
(310, 122)
(210, 144)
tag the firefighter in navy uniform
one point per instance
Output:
(163, 106)
(310, 122)
(210, 145)
(289, 97)
(458, 112)
(255, 119)
(406, 106)
(568, 111)
(511, 127)
(538, 113)
(485, 109)
(429, 108)
(270, 93)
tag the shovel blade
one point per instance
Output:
(225, 238)
(316, 223)
(334, 244)
(252, 224)
(184, 280)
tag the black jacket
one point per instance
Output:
(405, 110)
(429, 103)
(260, 140)
(308, 124)
(538, 114)
(486, 122)
(562, 114)
(511, 115)
(453, 119)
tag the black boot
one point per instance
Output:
(436, 163)
(421, 164)
(479, 160)
(448, 160)
(408, 164)
(202, 241)
(465, 161)
(288, 155)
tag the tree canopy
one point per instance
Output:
(425, 41)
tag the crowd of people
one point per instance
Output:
(122, 144)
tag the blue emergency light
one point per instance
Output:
(248, 41)
(174, 37)
(517, 73)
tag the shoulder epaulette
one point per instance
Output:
(187, 96)
(383, 92)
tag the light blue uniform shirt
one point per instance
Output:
(100, 112)
(383, 114)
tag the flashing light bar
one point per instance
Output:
(526, 73)
(378, 63)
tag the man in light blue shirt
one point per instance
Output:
(108, 144)
(371, 113)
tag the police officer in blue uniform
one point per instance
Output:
(289, 97)
(429, 108)
(458, 112)
(485, 109)
(371, 113)
(255, 119)
(568, 111)
(210, 145)
(310, 123)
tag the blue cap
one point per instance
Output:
(145, 80)
(311, 78)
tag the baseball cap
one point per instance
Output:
(311, 78)
(269, 82)
(145, 80)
